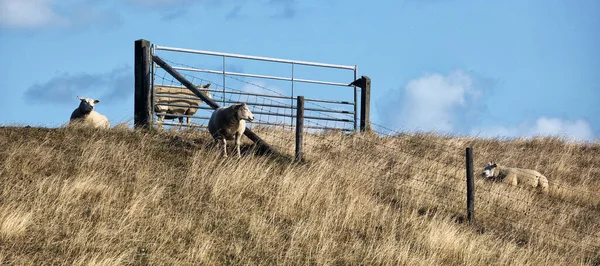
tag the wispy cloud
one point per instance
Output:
(48, 14)
(454, 103)
(579, 129)
(434, 102)
(113, 86)
(236, 9)
(29, 14)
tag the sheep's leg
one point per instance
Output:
(224, 141)
(160, 121)
(237, 144)
(180, 122)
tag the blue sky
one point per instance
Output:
(487, 68)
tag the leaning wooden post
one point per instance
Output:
(142, 112)
(210, 102)
(365, 105)
(299, 128)
(470, 187)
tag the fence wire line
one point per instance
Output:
(535, 227)
(538, 228)
(398, 132)
(348, 116)
(375, 167)
(321, 114)
(532, 204)
(529, 212)
(397, 149)
(327, 115)
(272, 101)
(518, 199)
(219, 97)
(256, 85)
(541, 230)
(365, 139)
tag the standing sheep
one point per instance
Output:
(186, 106)
(516, 176)
(86, 115)
(229, 123)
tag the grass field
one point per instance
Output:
(79, 196)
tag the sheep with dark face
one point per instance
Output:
(516, 176)
(87, 116)
(229, 123)
(185, 100)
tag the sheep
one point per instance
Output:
(516, 176)
(187, 106)
(229, 123)
(86, 115)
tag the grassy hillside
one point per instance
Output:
(126, 197)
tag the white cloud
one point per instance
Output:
(579, 129)
(28, 14)
(453, 104)
(430, 102)
(42, 14)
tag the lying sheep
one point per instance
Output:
(229, 123)
(185, 106)
(85, 114)
(516, 176)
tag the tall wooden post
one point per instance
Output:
(364, 83)
(142, 112)
(470, 187)
(365, 105)
(299, 128)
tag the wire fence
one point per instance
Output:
(407, 167)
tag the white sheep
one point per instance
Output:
(229, 123)
(86, 115)
(516, 176)
(186, 106)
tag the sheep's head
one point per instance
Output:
(489, 170)
(205, 89)
(242, 111)
(87, 104)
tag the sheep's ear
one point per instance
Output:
(96, 101)
(206, 86)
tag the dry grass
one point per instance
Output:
(123, 197)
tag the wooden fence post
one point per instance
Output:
(470, 187)
(142, 112)
(364, 83)
(365, 105)
(299, 128)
